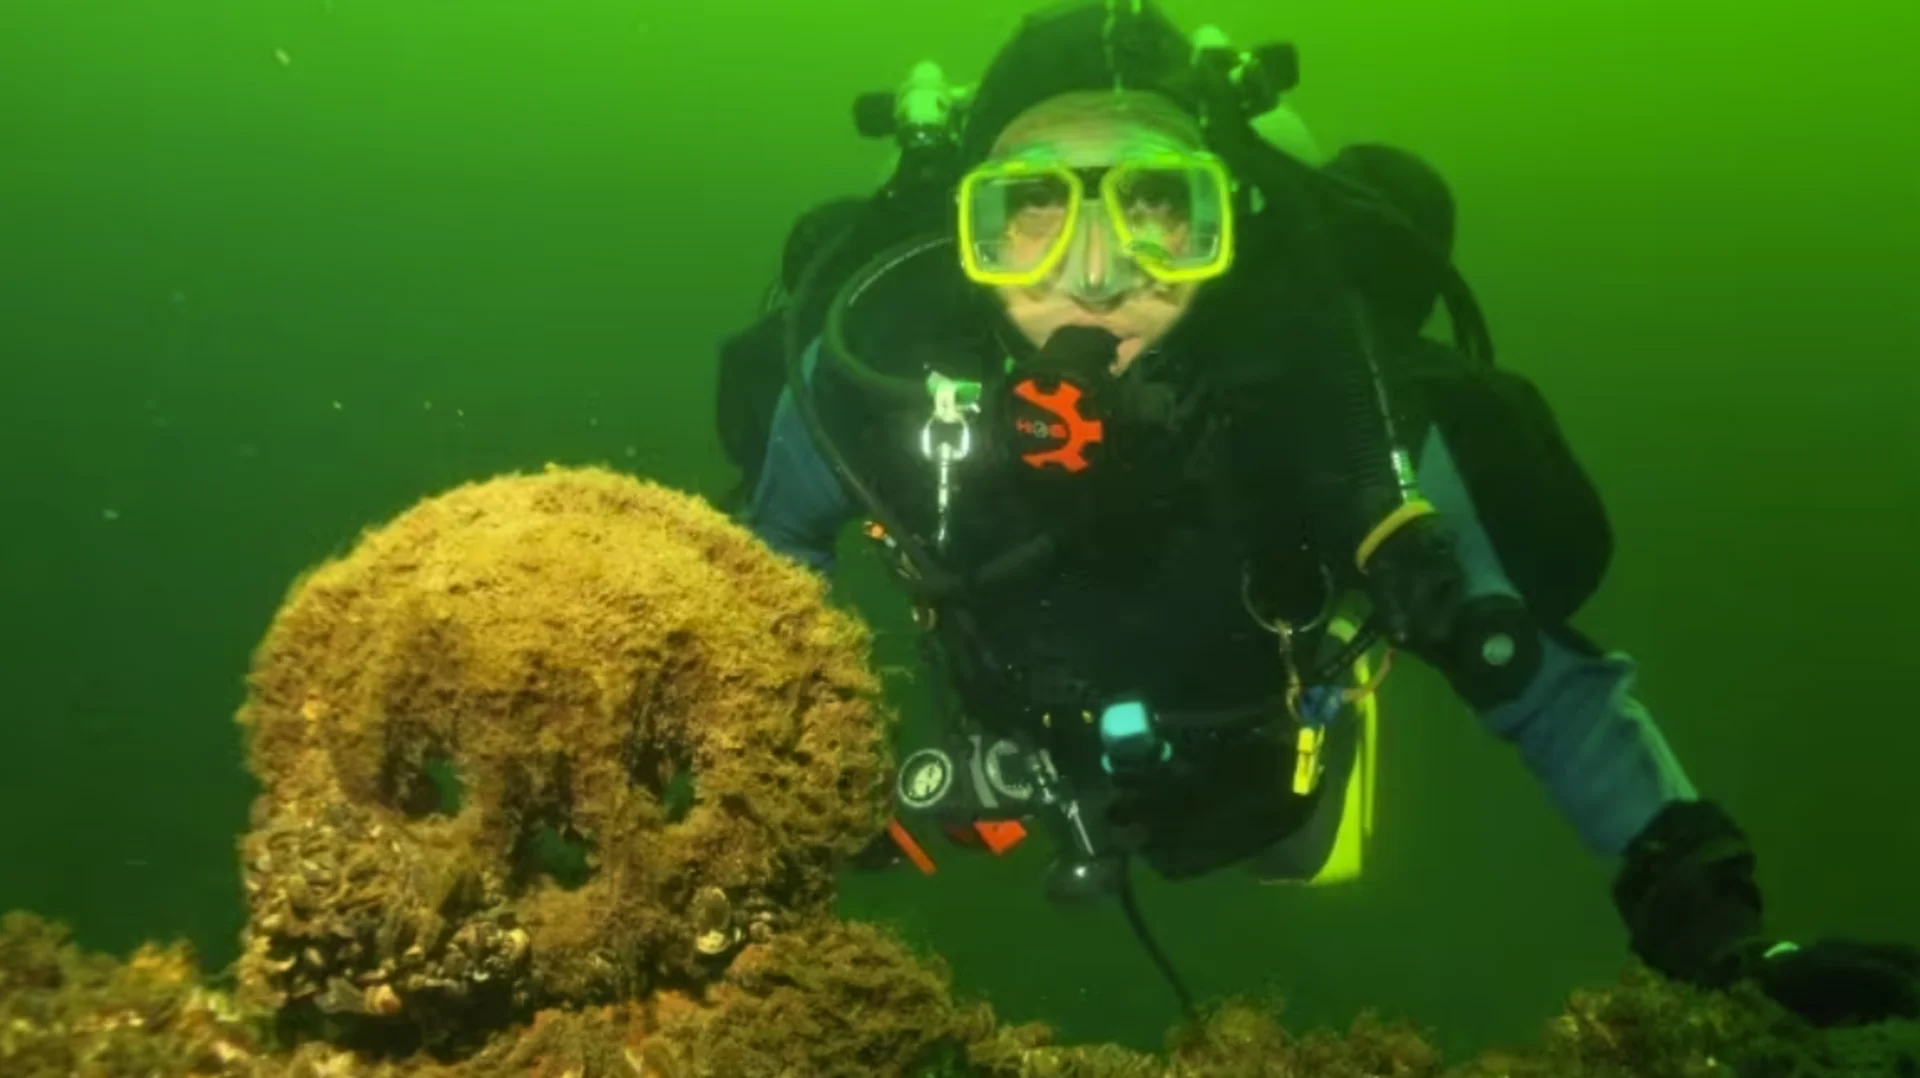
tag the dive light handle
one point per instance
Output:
(1417, 584)
(1487, 645)
(1495, 649)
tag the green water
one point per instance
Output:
(270, 271)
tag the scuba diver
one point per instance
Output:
(1136, 397)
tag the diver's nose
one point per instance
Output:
(1097, 285)
(1094, 257)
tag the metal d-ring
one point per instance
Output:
(1276, 626)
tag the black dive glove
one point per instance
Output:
(1844, 983)
(1687, 895)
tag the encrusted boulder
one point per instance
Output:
(551, 739)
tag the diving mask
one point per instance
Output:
(1168, 215)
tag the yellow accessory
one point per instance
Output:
(1347, 856)
(1384, 530)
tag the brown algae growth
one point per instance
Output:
(544, 741)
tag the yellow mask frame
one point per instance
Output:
(1141, 252)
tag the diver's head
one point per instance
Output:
(1097, 208)
(1092, 198)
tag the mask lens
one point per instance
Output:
(1017, 223)
(1174, 220)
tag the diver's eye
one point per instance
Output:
(1035, 209)
(1035, 194)
(1157, 199)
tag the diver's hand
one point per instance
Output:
(1687, 895)
(1843, 982)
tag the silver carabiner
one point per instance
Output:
(945, 450)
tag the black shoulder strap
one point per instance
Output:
(1538, 504)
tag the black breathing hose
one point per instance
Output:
(1347, 437)
(1130, 905)
(926, 570)
(891, 390)
(1372, 447)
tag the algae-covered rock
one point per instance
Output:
(65, 1013)
(835, 1000)
(1234, 1039)
(1646, 1026)
(827, 1000)
(510, 737)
